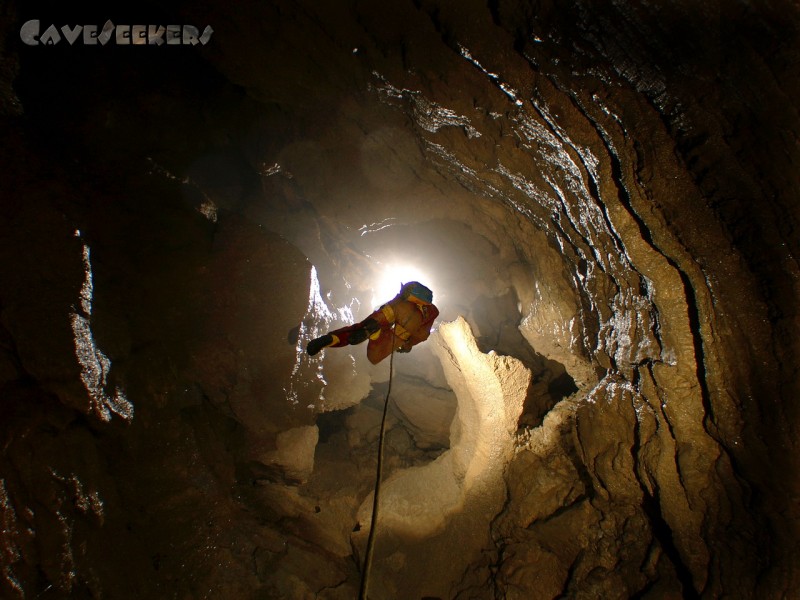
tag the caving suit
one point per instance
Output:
(411, 313)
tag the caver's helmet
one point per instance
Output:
(414, 290)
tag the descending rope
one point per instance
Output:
(362, 595)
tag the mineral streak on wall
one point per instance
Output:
(604, 197)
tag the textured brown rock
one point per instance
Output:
(602, 194)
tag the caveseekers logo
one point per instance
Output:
(122, 35)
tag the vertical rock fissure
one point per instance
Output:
(591, 182)
(690, 294)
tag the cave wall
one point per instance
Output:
(620, 178)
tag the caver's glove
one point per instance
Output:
(314, 346)
(372, 326)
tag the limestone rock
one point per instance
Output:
(605, 191)
(463, 487)
(346, 379)
(295, 452)
(426, 411)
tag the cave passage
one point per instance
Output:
(602, 197)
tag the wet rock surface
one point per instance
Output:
(601, 195)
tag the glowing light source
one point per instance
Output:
(391, 279)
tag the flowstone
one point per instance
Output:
(450, 502)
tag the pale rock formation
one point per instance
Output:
(466, 481)
(426, 412)
(295, 452)
(346, 377)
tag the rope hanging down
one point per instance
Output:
(362, 595)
